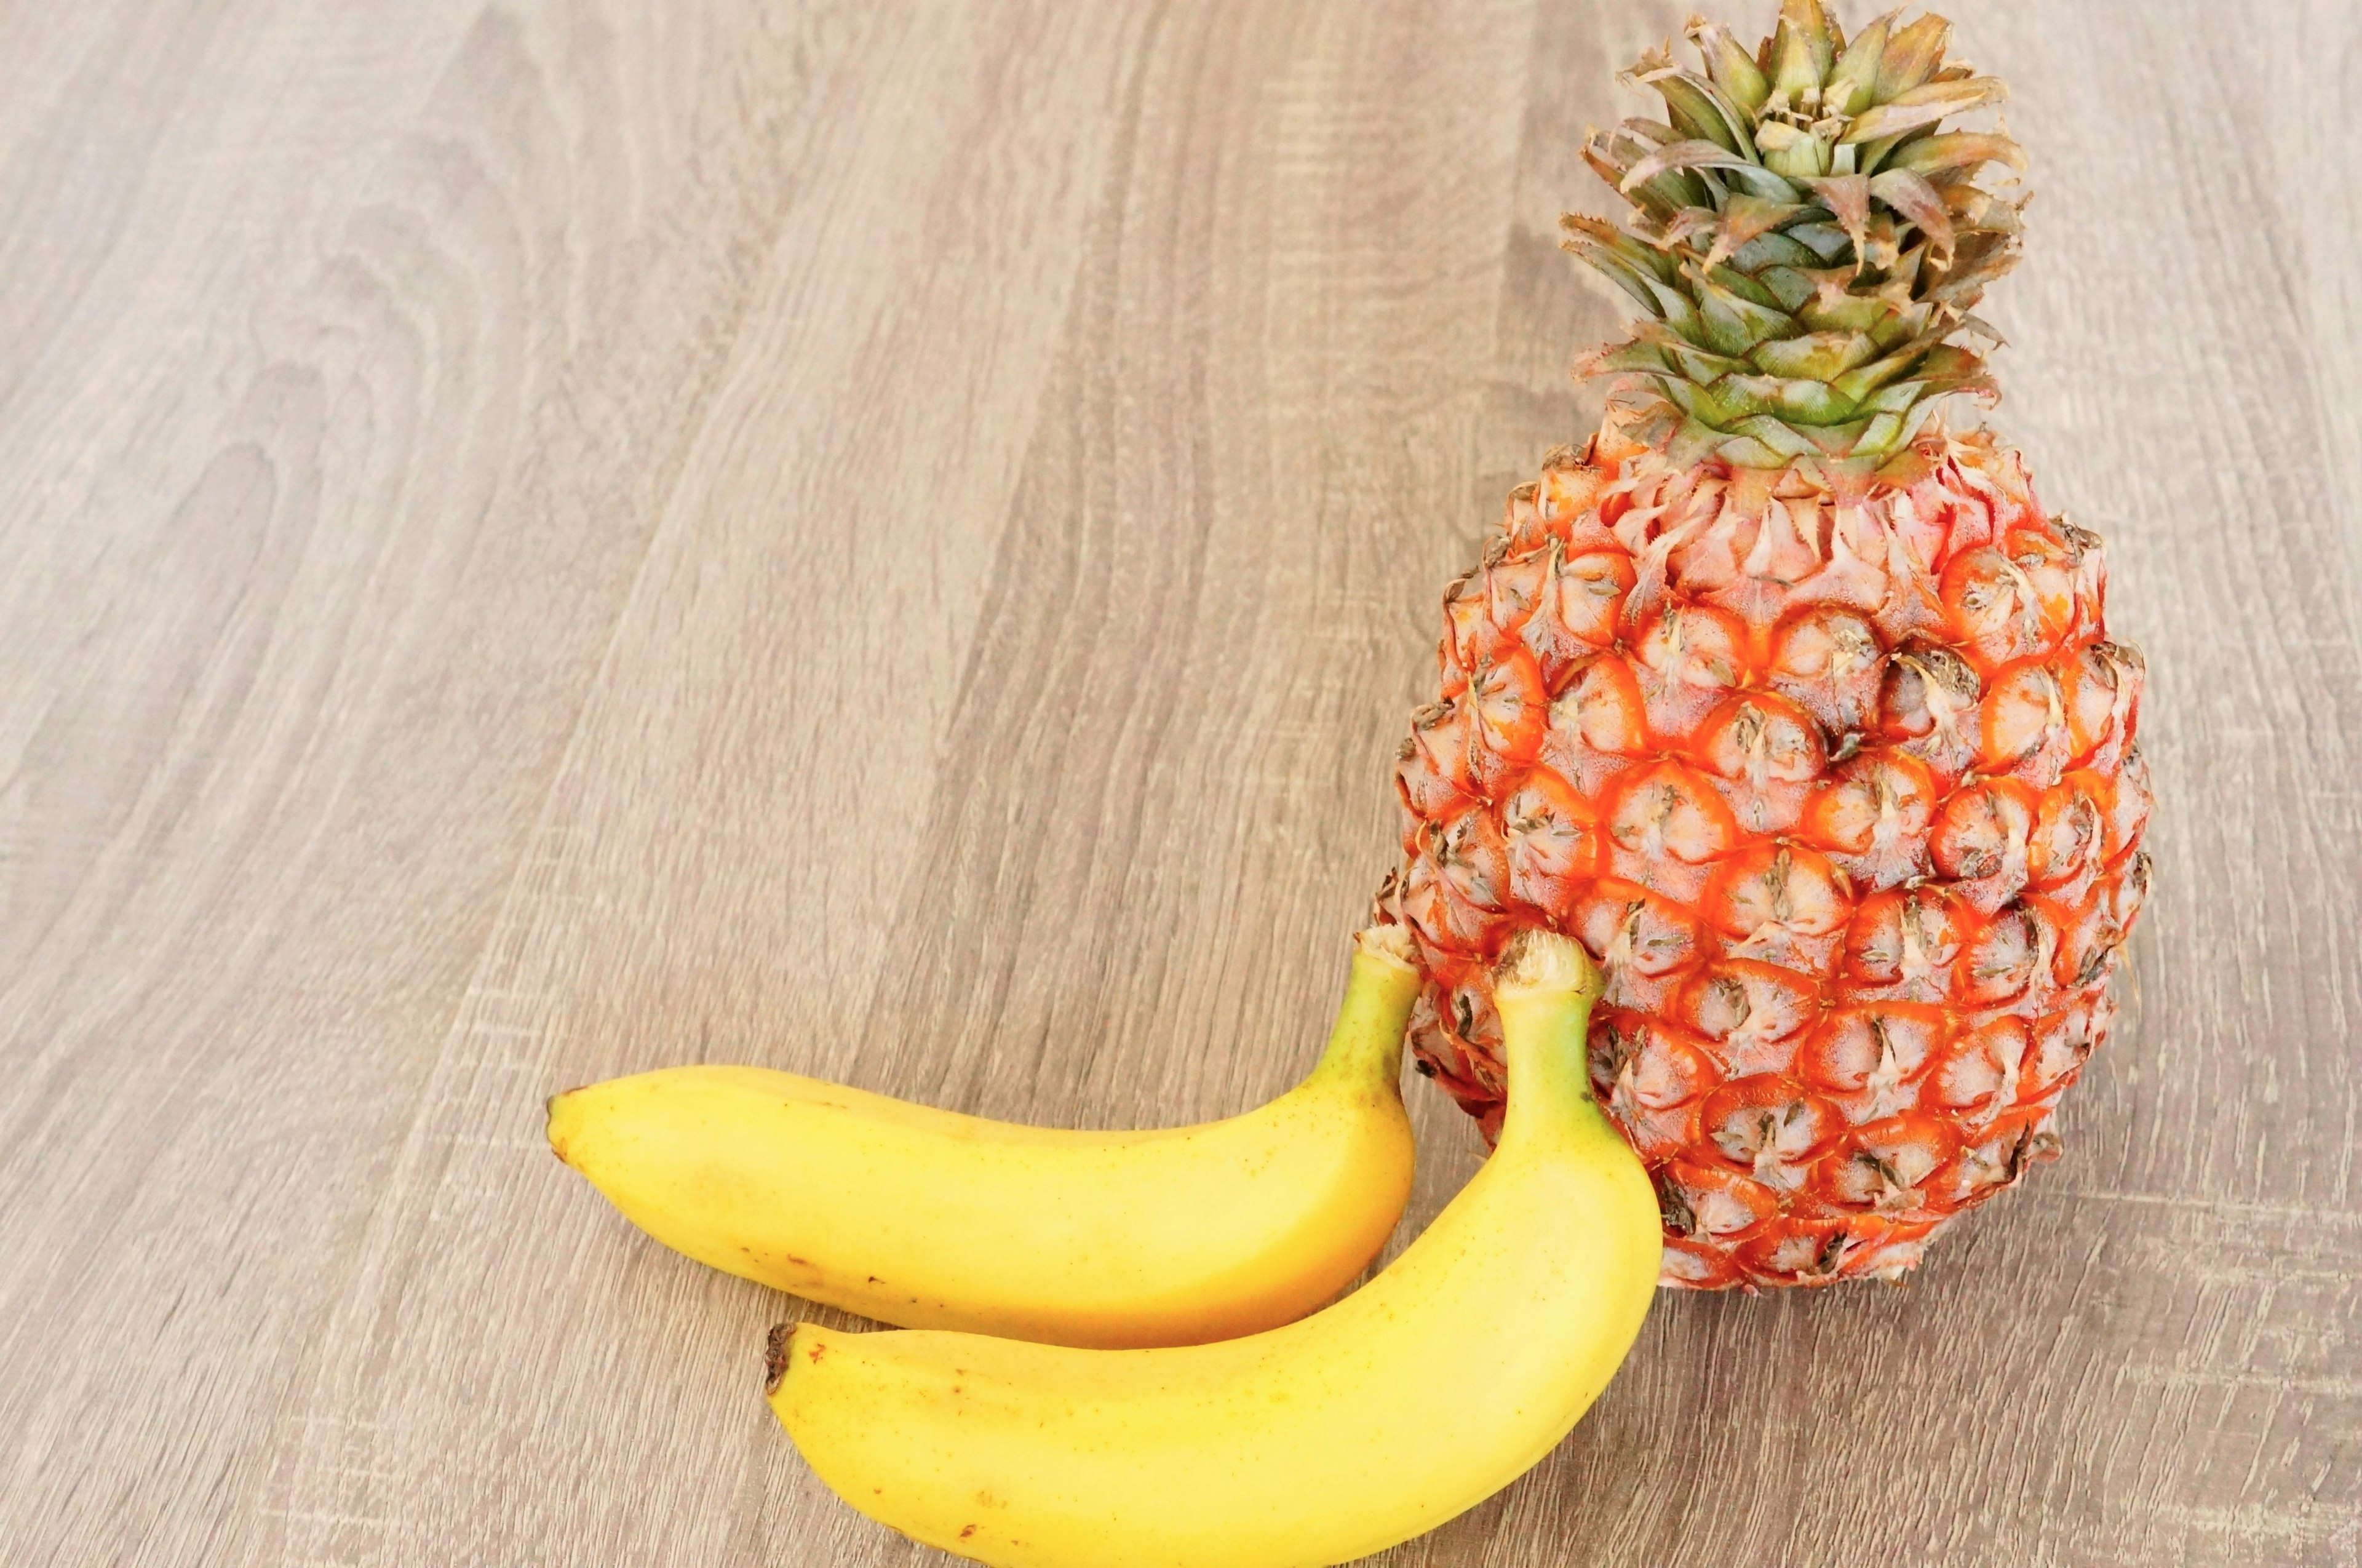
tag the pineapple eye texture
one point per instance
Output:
(1785, 694)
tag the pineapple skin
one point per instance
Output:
(1842, 793)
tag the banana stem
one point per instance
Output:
(1366, 1045)
(1544, 987)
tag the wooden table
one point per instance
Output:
(898, 541)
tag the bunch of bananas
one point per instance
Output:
(1106, 1355)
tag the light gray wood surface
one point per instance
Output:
(896, 541)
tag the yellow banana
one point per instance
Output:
(933, 1220)
(1410, 1401)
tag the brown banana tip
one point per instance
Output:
(1391, 944)
(775, 1357)
(549, 1125)
(1537, 959)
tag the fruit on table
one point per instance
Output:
(931, 1219)
(1426, 1390)
(1793, 705)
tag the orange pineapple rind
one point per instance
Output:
(1789, 703)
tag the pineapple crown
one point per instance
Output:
(1807, 243)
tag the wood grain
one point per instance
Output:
(896, 541)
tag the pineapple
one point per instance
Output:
(1788, 701)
